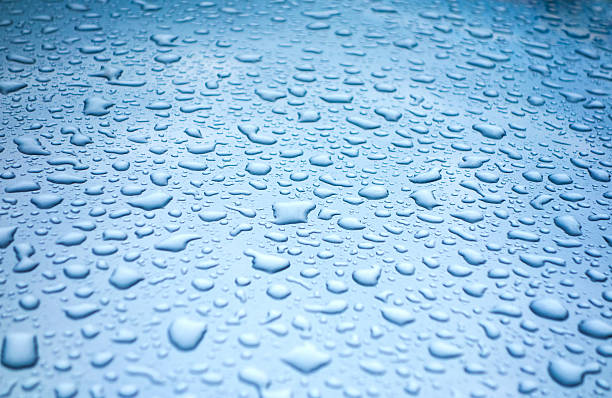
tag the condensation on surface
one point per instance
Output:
(284, 199)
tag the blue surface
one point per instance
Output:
(305, 199)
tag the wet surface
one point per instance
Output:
(305, 199)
